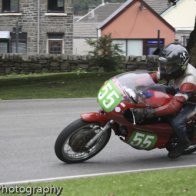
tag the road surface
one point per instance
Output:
(28, 130)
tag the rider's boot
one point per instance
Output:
(180, 147)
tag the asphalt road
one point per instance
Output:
(28, 130)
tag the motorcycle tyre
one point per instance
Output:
(187, 151)
(65, 134)
(190, 150)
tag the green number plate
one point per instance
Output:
(109, 96)
(142, 140)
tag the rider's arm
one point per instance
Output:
(185, 92)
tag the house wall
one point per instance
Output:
(38, 25)
(81, 47)
(57, 23)
(138, 22)
(182, 18)
(81, 32)
(182, 36)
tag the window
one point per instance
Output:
(56, 6)
(4, 46)
(134, 47)
(4, 41)
(55, 46)
(10, 5)
(184, 40)
(152, 46)
(55, 43)
(19, 44)
(121, 44)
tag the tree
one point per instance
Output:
(192, 39)
(191, 46)
(105, 54)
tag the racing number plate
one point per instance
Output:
(109, 96)
(143, 140)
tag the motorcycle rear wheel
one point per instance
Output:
(190, 149)
(70, 145)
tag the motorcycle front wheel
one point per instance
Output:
(70, 145)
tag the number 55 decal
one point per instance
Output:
(142, 140)
(109, 96)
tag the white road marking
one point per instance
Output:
(92, 175)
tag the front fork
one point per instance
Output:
(101, 118)
(99, 134)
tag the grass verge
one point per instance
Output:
(174, 182)
(57, 85)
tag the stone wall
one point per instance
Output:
(20, 64)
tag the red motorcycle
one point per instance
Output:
(87, 136)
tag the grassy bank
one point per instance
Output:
(57, 85)
(171, 182)
(174, 182)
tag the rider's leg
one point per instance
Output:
(179, 125)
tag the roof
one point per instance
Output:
(100, 13)
(87, 25)
(128, 3)
(158, 6)
(103, 11)
(85, 30)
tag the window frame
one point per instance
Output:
(3, 10)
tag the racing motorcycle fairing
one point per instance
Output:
(132, 90)
(100, 117)
(149, 136)
(136, 90)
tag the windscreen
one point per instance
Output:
(134, 81)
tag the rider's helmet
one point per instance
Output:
(173, 61)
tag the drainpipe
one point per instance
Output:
(98, 33)
(158, 39)
(38, 26)
(17, 36)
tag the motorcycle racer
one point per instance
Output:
(174, 66)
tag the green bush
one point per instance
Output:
(105, 53)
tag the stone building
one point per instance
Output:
(36, 27)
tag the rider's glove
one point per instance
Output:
(142, 114)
